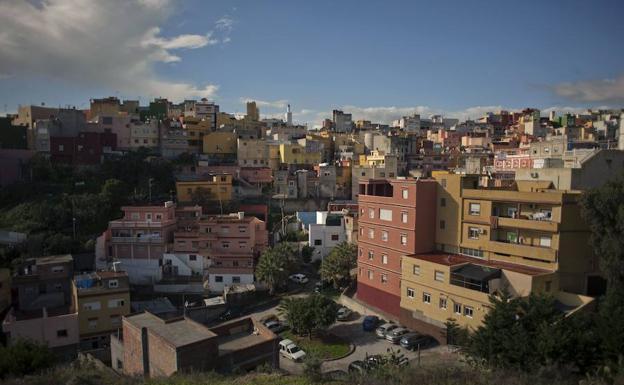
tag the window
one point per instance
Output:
(442, 303)
(457, 308)
(335, 237)
(93, 323)
(384, 259)
(439, 276)
(58, 269)
(91, 306)
(468, 311)
(473, 232)
(136, 215)
(426, 298)
(371, 213)
(442, 225)
(119, 364)
(113, 303)
(371, 255)
(416, 270)
(242, 229)
(218, 278)
(545, 241)
(236, 279)
(443, 183)
(475, 209)
(442, 202)
(404, 239)
(115, 320)
(410, 292)
(384, 235)
(192, 257)
(384, 278)
(61, 333)
(385, 214)
(360, 252)
(148, 216)
(225, 245)
(318, 242)
(242, 244)
(113, 283)
(371, 233)
(61, 148)
(404, 193)
(158, 217)
(404, 217)
(235, 263)
(225, 229)
(370, 274)
(471, 252)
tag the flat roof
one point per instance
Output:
(54, 259)
(235, 342)
(458, 259)
(177, 332)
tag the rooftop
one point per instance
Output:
(177, 332)
(458, 259)
(54, 259)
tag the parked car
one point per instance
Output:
(343, 314)
(298, 278)
(231, 313)
(385, 328)
(395, 335)
(370, 322)
(275, 326)
(411, 341)
(358, 367)
(289, 350)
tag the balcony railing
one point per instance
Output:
(138, 239)
(461, 281)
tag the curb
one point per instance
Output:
(351, 350)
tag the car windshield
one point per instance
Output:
(294, 349)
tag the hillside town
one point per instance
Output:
(427, 217)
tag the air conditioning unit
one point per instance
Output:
(534, 175)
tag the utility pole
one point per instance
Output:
(149, 183)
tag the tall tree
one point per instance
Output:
(275, 265)
(337, 266)
(306, 315)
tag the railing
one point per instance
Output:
(459, 280)
(138, 239)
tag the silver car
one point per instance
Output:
(395, 335)
(384, 329)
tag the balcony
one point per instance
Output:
(123, 224)
(528, 251)
(154, 240)
(475, 277)
(526, 224)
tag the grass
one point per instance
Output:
(321, 347)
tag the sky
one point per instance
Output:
(377, 59)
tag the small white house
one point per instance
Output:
(328, 231)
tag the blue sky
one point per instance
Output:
(379, 59)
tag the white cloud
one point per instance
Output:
(112, 44)
(275, 104)
(593, 91)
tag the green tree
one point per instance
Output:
(308, 315)
(603, 210)
(275, 265)
(24, 357)
(455, 334)
(337, 266)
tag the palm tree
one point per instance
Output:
(272, 270)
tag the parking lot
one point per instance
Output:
(366, 343)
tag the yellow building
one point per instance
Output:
(526, 239)
(218, 187)
(5, 289)
(102, 299)
(196, 129)
(296, 154)
(222, 144)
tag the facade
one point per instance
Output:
(217, 187)
(87, 148)
(396, 217)
(43, 307)
(296, 154)
(145, 134)
(374, 166)
(102, 298)
(328, 232)
(221, 146)
(152, 347)
(139, 239)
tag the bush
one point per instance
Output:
(24, 357)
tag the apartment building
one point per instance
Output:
(226, 247)
(296, 154)
(102, 298)
(373, 166)
(145, 134)
(139, 239)
(43, 307)
(327, 232)
(220, 146)
(527, 238)
(396, 217)
(152, 347)
(217, 187)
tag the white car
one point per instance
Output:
(289, 350)
(298, 278)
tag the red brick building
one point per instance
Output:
(396, 218)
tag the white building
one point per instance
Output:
(328, 231)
